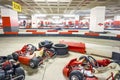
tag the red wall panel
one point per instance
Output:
(6, 21)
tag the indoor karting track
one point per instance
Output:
(51, 69)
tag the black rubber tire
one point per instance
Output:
(2, 75)
(34, 62)
(61, 49)
(9, 57)
(3, 59)
(117, 76)
(15, 56)
(53, 51)
(77, 75)
(45, 44)
(18, 72)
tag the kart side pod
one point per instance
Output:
(66, 69)
(66, 72)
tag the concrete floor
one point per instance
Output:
(51, 69)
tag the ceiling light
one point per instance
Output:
(64, 0)
(40, 15)
(9, 6)
(69, 15)
(56, 17)
(22, 17)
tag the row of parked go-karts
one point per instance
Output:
(84, 68)
(29, 55)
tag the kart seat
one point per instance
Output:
(104, 72)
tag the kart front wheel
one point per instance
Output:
(34, 62)
(20, 74)
(76, 75)
(2, 75)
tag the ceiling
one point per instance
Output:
(81, 7)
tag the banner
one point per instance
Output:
(16, 6)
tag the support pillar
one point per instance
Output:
(97, 18)
(116, 22)
(9, 20)
(35, 22)
(76, 21)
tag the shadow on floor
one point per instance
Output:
(29, 70)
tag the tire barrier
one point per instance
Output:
(92, 34)
(52, 30)
(61, 49)
(47, 44)
(73, 31)
(31, 30)
(64, 33)
(75, 46)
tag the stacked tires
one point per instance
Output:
(47, 44)
(60, 49)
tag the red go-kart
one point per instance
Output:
(10, 69)
(27, 55)
(83, 68)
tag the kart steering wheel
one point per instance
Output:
(90, 60)
(93, 62)
(31, 48)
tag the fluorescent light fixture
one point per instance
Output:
(9, 6)
(40, 15)
(56, 17)
(87, 17)
(68, 15)
(22, 17)
(65, 0)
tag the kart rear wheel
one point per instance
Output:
(117, 76)
(76, 75)
(15, 56)
(19, 73)
(34, 62)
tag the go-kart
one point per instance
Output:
(31, 56)
(86, 69)
(10, 69)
